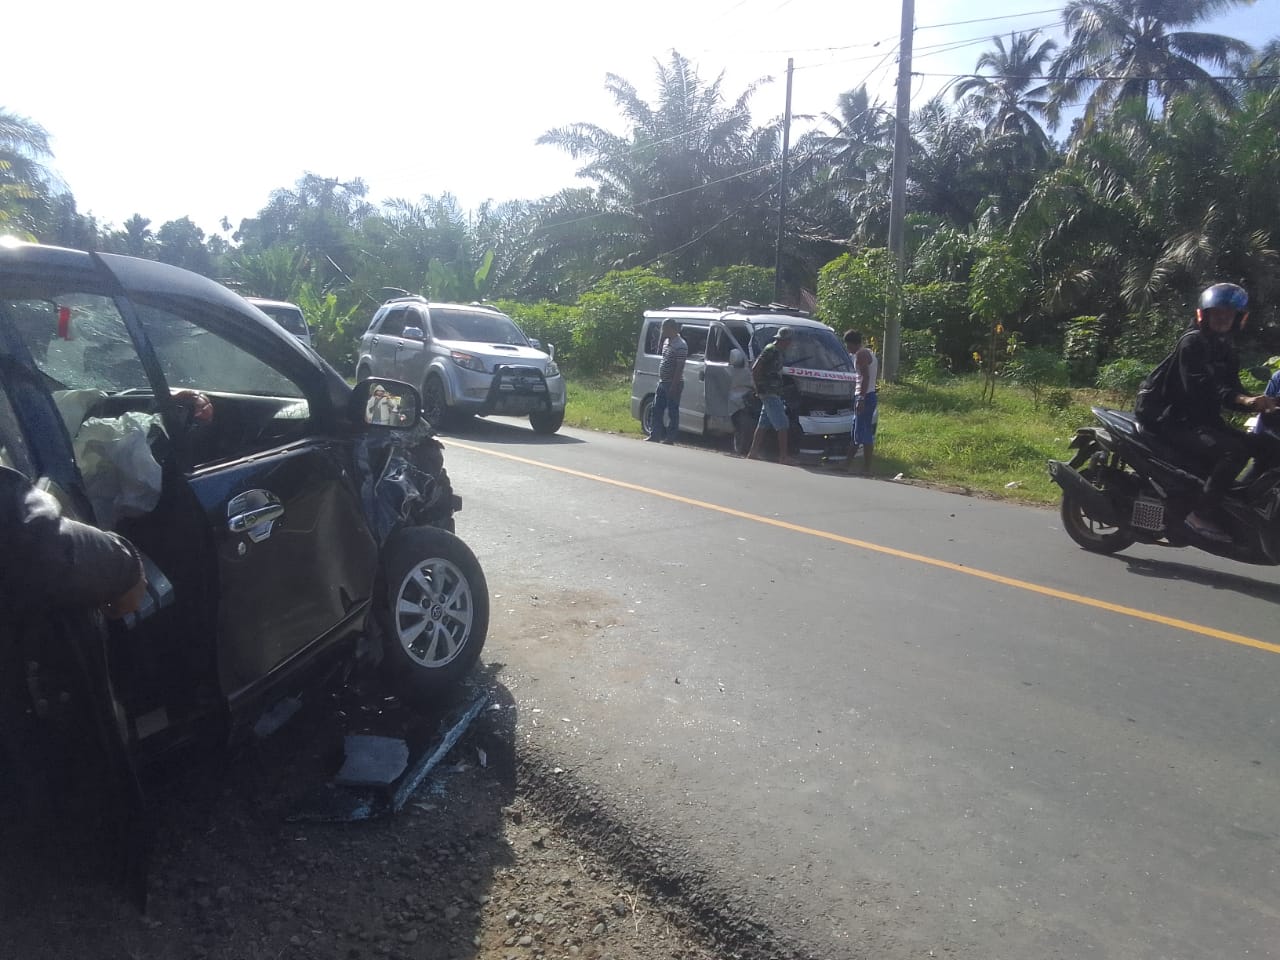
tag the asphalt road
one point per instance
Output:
(908, 723)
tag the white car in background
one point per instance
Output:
(288, 315)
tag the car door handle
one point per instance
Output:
(254, 513)
(374, 341)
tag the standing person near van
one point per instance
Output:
(666, 398)
(866, 368)
(767, 374)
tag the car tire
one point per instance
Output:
(433, 612)
(435, 407)
(546, 421)
(646, 416)
(362, 374)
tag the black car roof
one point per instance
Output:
(151, 278)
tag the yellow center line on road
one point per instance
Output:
(1137, 614)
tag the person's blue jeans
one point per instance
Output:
(666, 412)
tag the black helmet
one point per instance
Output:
(1228, 295)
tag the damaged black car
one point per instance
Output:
(292, 527)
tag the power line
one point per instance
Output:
(729, 216)
(1098, 77)
(1007, 16)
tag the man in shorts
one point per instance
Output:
(767, 373)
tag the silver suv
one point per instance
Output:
(467, 359)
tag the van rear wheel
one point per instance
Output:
(646, 416)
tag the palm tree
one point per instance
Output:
(1146, 212)
(137, 235)
(1010, 98)
(24, 178)
(841, 174)
(688, 174)
(1132, 50)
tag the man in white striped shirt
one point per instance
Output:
(666, 398)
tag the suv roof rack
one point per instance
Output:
(691, 307)
(748, 305)
(407, 298)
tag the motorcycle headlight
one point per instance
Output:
(552, 369)
(467, 361)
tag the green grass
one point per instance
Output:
(939, 433)
(601, 403)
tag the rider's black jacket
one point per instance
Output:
(49, 561)
(1192, 384)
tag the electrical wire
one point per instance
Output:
(1006, 16)
(1093, 76)
(705, 233)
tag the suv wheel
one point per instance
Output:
(546, 421)
(434, 408)
(434, 612)
(363, 374)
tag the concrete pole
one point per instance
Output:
(898, 198)
(782, 190)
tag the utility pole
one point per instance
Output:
(898, 198)
(782, 189)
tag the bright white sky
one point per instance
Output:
(168, 109)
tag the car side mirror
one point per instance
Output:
(535, 343)
(385, 404)
(413, 333)
(737, 358)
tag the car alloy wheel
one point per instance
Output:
(434, 612)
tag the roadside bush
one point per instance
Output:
(942, 308)
(852, 289)
(1059, 400)
(1037, 369)
(728, 286)
(605, 334)
(552, 323)
(1080, 348)
(1122, 377)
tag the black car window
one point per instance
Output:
(193, 357)
(476, 326)
(79, 341)
(653, 338)
(719, 344)
(814, 348)
(393, 323)
(256, 406)
(696, 338)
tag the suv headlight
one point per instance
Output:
(552, 369)
(467, 361)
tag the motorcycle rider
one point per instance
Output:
(1182, 401)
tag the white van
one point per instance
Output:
(719, 396)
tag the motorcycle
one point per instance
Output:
(1125, 485)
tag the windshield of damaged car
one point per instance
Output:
(813, 348)
(78, 341)
(476, 326)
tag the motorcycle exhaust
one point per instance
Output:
(1093, 501)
